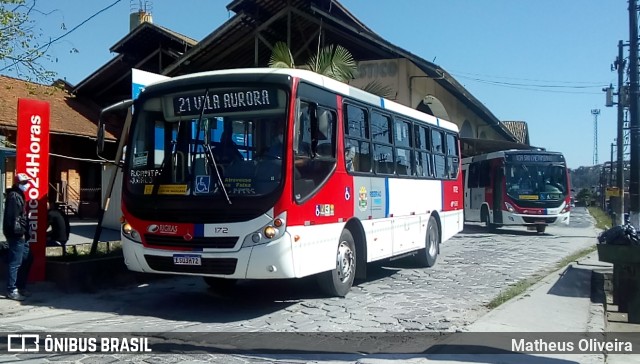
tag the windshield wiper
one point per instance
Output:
(209, 153)
(213, 163)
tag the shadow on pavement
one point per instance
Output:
(520, 231)
(573, 282)
(354, 346)
(179, 299)
(505, 357)
(187, 298)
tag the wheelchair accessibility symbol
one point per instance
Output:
(202, 184)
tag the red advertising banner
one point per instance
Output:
(32, 158)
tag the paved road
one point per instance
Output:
(474, 267)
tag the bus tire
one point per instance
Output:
(428, 255)
(338, 281)
(220, 285)
(541, 228)
(486, 218)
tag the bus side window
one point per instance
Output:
(437, 147)
(453, 163)
(302, 141)
(403, 162)
(315, 157)
(382, 148)
(326, 147)
(422, 155)
(357, 147)
(402, 141)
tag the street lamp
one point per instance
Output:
(595, 113)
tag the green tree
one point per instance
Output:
(22, 50)
(333, 61)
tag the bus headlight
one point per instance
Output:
(509, 207)
(131, 233)
(271, 231)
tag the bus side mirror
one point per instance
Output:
(101, 134)
(100, 141)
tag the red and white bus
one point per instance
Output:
(517, 187)
(283, 173)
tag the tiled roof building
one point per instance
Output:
(74, 176)
(519, 129)
(69, 116)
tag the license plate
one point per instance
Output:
(187, 259)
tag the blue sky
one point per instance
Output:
(500, 50)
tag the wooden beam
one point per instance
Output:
(128, 74)
(373, 48)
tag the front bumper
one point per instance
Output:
(273, 260)
(509, 218)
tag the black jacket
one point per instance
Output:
(15, 224)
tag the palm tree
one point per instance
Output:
(333, 61)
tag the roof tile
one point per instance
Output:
(68, 114)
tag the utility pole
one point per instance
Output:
(611, 166)
(634, 182)
(595, 113)
(620, 65)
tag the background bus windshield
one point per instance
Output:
(179, 155)
(541, 182)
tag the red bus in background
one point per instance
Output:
(283, 173)
(517, 187)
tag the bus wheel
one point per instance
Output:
(429, 254)
(540, 228)
(220, 285)
(338, 281)
(487, 220)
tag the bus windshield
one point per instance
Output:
(175, 146)
(539, 182)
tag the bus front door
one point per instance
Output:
(497, 196)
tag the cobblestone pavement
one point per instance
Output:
(473, 268)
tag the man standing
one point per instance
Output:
(15, 228)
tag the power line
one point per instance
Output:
(594, 84)
(566, 87)
(535, 85)
(62, 155)
(539, 88)
(60, 37)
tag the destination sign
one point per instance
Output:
(535, 158)
(221, 101)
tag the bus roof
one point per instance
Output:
(325, 82)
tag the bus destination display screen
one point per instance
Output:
(535, 158)
(222, 101)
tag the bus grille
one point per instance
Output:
(209, 265)
(226, 242)
(533, 220)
